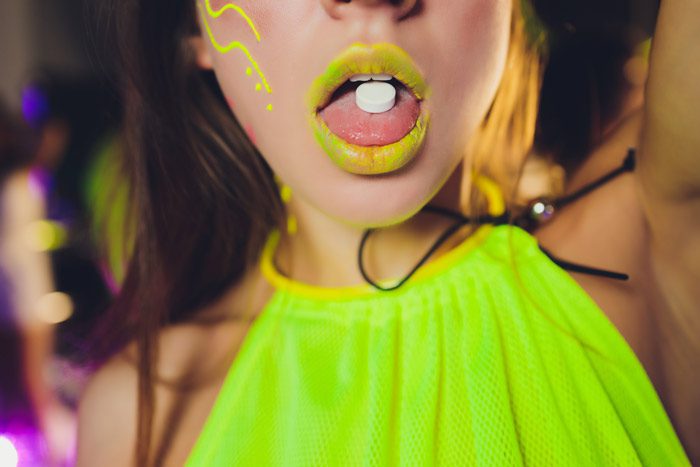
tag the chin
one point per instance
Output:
(378, 201)
(370, 214)
(366, 200)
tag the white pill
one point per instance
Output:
(375, 97)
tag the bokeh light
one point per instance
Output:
(8, 453)
(35, 106)
(55, 308)
(45, 235)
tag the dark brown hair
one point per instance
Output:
(203, 197)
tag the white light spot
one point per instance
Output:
(8, 453)
(539, 208)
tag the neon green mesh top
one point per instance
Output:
(490, 355)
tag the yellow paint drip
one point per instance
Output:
(237, 9)
(285, 193)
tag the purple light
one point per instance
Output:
(34, 105)
(40, 181)
(8, 453)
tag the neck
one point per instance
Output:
(324, 250)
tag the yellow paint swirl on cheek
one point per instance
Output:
(224, 49)
(237, 9)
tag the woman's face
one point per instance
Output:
(370, 152)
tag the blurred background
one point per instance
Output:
(62, 195)
(59, 132)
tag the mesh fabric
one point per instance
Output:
(494, 357)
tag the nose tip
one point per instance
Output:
(342, 8)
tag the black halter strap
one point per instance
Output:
(628, 165)
(460, 221)
(547, 207)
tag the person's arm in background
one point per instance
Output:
(669, 184)
(29, 272)
(670, 162)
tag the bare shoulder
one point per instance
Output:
(656, 310)
(107, 415)
(108, 411)
(193, 361)
(607, 229)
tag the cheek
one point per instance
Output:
(472, 59)
(248, 47)
(475, 21)
(234, 37)
(266, 16)
(476, 52)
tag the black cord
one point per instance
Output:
(628, 165)
(460, 221)
(591, 271)
(442, 239)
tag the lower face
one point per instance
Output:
(287, 73)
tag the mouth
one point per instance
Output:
(366, 110)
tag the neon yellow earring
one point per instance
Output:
(286, 196)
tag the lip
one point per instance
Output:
(382, 58)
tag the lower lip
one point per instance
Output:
(372, 144)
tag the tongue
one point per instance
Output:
(352, 124)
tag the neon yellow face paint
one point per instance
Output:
(237, 9)
(368, 59)
(224, 49)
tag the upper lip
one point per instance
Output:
(383, 58)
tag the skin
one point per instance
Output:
(338, 203)
(644, 223)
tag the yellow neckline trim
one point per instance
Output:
(496, 207)
(429, 270)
